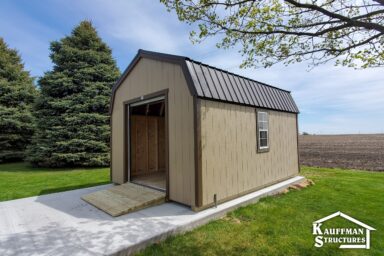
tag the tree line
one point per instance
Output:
(64, 120)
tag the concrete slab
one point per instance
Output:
(125, 198)
(63, 224)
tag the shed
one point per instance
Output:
(200, 134)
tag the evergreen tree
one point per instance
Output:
(72, 110)
(17, 94)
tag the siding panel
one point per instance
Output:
(231, 163)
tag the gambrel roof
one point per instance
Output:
(212, 83)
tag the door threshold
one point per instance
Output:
(148, 186)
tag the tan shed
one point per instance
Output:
(201, 134)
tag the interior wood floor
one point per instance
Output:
(156, 180)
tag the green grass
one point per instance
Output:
(18, 180)
(282, 225)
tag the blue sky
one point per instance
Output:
(331, 99)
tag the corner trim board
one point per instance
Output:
(198, 153)
(297, 136)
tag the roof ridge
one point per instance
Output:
(141, 51)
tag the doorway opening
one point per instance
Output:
(148, 143)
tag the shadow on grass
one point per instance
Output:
(26, 167)
(67, 188)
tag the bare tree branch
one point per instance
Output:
(272, 31)
(351, 21)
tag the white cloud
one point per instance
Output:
(146, 24)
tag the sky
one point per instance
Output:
(332, 100)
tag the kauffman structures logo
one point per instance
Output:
(352, 238)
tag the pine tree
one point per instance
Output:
(17, 94)
(72, 110)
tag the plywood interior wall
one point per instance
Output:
(147, 144)
(231, 164)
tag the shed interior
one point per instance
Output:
(147, 134)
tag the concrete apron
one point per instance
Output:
(63, 224)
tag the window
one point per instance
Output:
(262, 130)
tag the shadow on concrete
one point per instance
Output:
(67, 188)
(103, 238)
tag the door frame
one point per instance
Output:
(127, 133)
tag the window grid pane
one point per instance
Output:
(263, 135)
(263, 142)
(263, 129)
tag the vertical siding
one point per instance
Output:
(231, 164)
(147, 77)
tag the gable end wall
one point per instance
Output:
(150, 76)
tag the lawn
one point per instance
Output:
(282, 225)
(18, 180)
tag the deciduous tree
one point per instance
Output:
(270, 31)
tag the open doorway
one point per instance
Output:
(148, 143)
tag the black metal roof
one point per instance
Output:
(209, 82)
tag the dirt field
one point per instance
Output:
(344, 151)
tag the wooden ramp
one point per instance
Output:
(125, 198)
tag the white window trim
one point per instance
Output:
(263, 130)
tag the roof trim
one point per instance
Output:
(246, 105)
(176, 59)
